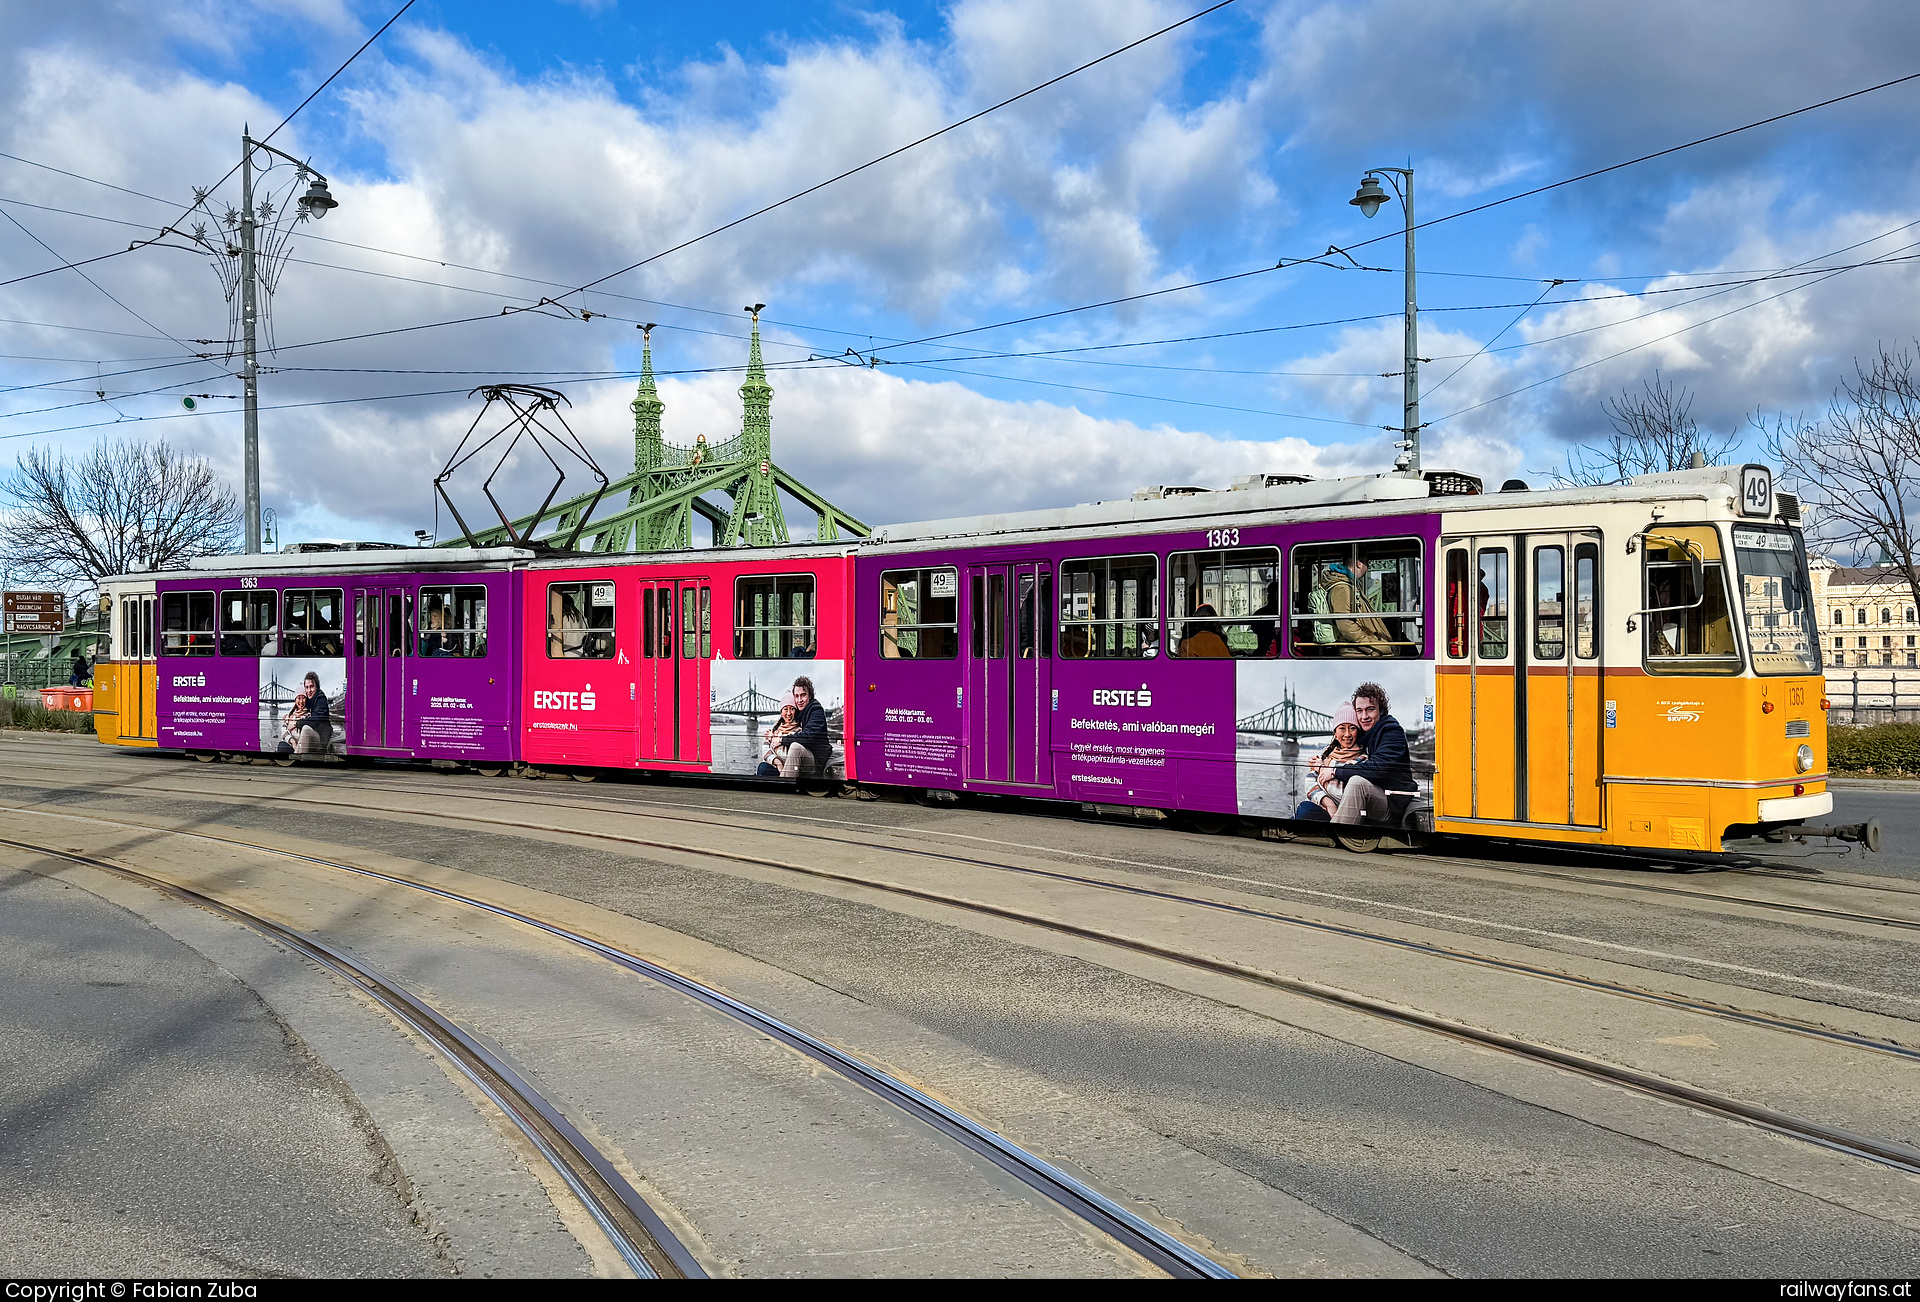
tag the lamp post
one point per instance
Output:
(315, 203)
(1368, 199)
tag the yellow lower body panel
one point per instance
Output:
(123, 703)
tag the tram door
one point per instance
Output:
(135, 676)
(673, 670)
(382, 655)
(1520, 679)
(1009, 673)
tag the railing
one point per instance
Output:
(1868, 698)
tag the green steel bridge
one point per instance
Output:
(1287, 718)
(652, 508)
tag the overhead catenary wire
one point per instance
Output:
(895, 153)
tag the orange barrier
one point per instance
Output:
(78, 699)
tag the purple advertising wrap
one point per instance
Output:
(1203, 670)
(401, 665)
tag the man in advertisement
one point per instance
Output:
(1387, 766)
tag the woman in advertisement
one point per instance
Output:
(775, 754)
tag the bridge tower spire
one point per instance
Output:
(649, 443)
(756, 519)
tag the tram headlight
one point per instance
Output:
(1803, 758)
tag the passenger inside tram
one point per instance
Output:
(1203, 640)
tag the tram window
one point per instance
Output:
(996, 615)
(663, 623)
(1459, 603)
(1023, 618)
(977, 618)
(689, 623)
(706, 625)
(1224, 604)
(1776, 595)
(1586, 600)
(1493, 616)
(313, 623)
(773, 617)
(1110, 608)
(186, 624)
(130, 629)
(399, 622)
(1045, 620)
(1687, 631)
(1357, 599)
(920, 614)
(580, 621)
(249, 623)
(453, 622)
(1549, 603)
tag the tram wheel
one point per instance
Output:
(206, 756)
(585, 775)
(284, 761)
(1358, 842)
(489, 770)
(1208, 824)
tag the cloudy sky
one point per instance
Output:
(486, 154)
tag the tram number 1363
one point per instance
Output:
(1223, 537)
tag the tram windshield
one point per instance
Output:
(1774, 593)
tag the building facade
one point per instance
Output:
(1867, 617)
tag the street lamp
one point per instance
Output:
(1368, 199)
(316, 203)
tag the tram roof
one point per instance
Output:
(385, 558)
(1345, 498)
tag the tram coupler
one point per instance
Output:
(1867, 833)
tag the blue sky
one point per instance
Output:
(557, 142)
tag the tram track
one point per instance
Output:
(636, 1231)
(653, 1252)
(1431, 949)
(585, 800)
(1884, 1152)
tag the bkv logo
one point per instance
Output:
(189, 680)
(1107, 696)
(582, 700)
(1681, 711)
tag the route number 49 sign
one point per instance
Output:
(1756, 490)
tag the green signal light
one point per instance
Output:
(189, 404)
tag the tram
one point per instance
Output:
(1631, 666)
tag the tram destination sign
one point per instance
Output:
(35, 612)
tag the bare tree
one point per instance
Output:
(115, 508)
(1653, 430)
(1860, 466)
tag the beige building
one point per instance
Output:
(1866, 617)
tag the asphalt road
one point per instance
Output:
(156, 1119)
(1423, 1161)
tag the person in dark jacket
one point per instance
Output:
(78, 671)
(1386, 768)
(809, 751)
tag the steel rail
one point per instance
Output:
(636, 1231)
(1885, 1152)
(1075, 1196)
(1769, 1021)
(1840, 915)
